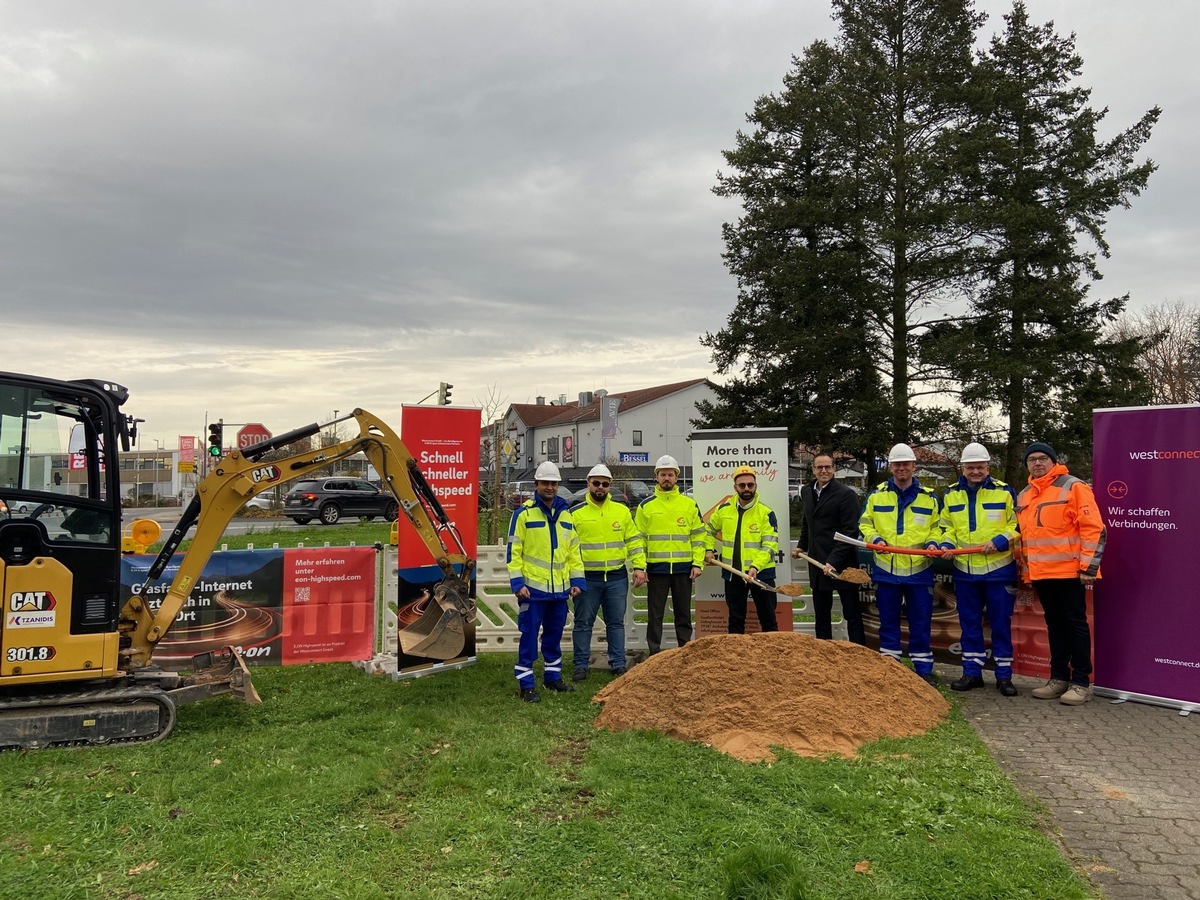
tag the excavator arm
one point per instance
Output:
(244, 474)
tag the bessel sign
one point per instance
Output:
(251, 434)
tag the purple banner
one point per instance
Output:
(1147, 482)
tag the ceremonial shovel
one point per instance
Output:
(788, 590)
(854, 576)
(910, 551)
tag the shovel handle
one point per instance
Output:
(820, 565)
(743, 575)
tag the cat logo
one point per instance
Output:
(31, 601)
(31, 609)
(265, 473)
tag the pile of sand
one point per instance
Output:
(743, 694)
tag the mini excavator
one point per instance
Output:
(76, 658)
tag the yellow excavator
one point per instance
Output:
(76, 658)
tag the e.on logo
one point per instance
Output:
(31, 601)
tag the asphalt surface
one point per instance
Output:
(1118, 782)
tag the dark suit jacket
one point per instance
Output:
(837, 510)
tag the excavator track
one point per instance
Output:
(108, 716)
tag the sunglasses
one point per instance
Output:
(745, 486)
(601, 483)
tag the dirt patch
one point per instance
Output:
(744, 694)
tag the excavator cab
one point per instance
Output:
(59, 532)
(65, 672)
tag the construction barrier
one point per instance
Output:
(496, 622)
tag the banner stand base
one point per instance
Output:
(1184, 707)
(432, 668)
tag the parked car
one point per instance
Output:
(262, 501)
(517, 492)
(329, 499)
(638, 491)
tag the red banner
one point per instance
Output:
(328, 605)
(444, 440)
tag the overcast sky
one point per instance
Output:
(266, 211)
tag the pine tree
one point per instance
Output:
(1033, 342)
(849, 235)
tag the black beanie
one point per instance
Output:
(1041, 447)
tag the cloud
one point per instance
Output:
(267, 211)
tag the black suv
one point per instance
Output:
(328, 499)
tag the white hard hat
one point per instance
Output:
(666, 462)
(547, 471)
(975, 452)
(902, 453)
(600, 470)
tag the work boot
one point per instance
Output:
(967, 683)
(580, 675)
(1051, 690)
(529, 695)
(560, 686)
(617, 672)
(1076, 695)
(1006, 687)
(928, 678)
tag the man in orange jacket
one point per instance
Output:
(1062, 541)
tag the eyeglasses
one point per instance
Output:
(1037, 459)
(819, 468)
(745, 486)
(600, 483)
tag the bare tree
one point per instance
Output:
(1171, 361)
(493, 406)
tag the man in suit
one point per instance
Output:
(830, 507)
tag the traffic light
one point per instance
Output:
(215, 439)
(444, 394)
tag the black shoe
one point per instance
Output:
(580, 675)
(1006, 687)
(617, 672)
(529, 695)
(967, 683)
(559, 686)
(929, 678)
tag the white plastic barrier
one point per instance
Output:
(496, 622)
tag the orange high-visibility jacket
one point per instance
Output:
(1062, 534)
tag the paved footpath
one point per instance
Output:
(1120, 781)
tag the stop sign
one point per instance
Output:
(251, 434)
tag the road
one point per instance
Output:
(167, 516)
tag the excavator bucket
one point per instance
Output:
(219, 672)
(438, 630)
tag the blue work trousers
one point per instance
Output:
(610, 595)
(549, 617)
(916, 601)
(972, 598)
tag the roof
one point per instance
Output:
(534, 415)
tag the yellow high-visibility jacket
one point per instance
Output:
(908, 518)
(673, 532)
(971, 517)
(758, 536)
(608, 539)
(543, 551)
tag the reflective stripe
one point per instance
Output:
(668, 554)
(555, 566)
(604, 565)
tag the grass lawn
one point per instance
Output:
(346, 785)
